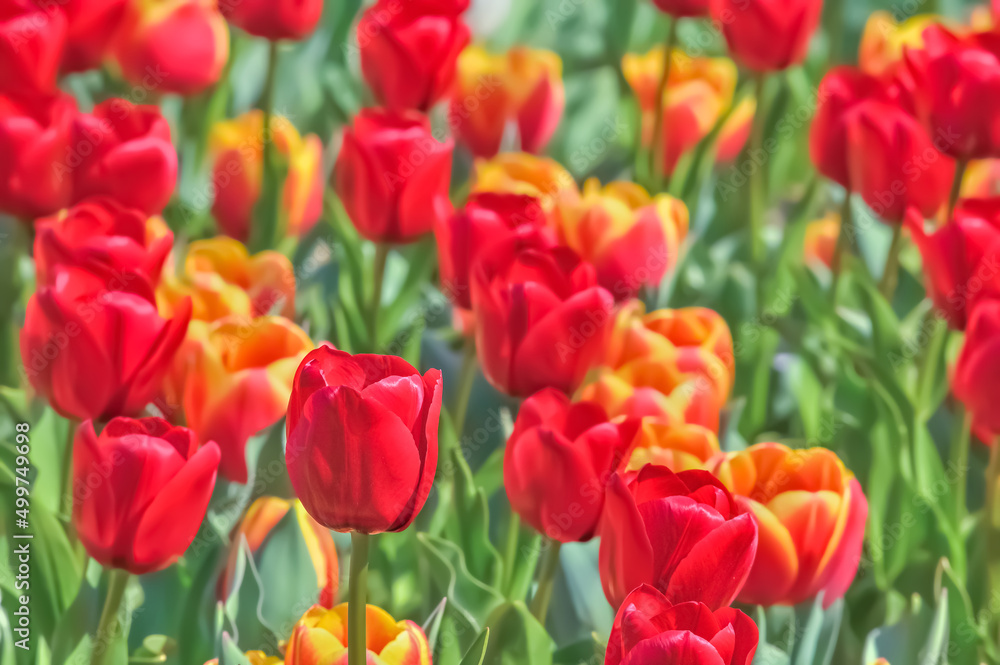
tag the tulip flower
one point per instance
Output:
(123, 151)
(274, 19)
(557, 461)
(633, 239)
(520, 173)
(32, 39)
(238, 149)
(541, 317)
(978, 369)
(962, 258)
(176, 46)
(885, 39)
(238, 377)
(34, 140)
(258, 525)
(521, 88)
(683, 534)
(408, 52)
(811, 514)
(767, 35)
(650, 629)
(91, 27)
(393, 176)
(222, 279)
(677, 446)
(683, 8)
(165, 507)
(105, 238)
(700, 91)
(820, 243)
(97, 349)
(362, 439)
(320, 636)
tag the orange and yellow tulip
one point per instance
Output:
(884, 40)
(821, 240)
(528, 175)
(320, 637)
(679, 447)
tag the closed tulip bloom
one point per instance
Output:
(123, 151)
(683, 534)
(767, 35)
(140, 491)
(238, 379)
(238, 149)
(557, 461)
(962, 258)
(32, 40)
(91, 25)
(408, 52)
(521, 173)
(35, 135)
(257, 527)
(393, 176)
(677, 446)
(811, 513)
(649, 629)
(977, 372)
(176, 46)
(362, 439)
(320, 637)
(274, 19)
(105, 238)
(93, 348)
(683, 8)
(541, 316)
(633, 239)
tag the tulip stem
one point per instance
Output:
(546, 581)
(466, 380)
(959, 460)
(758, 185)
(67, 482)
(845, 239)
(357, 602)
(956, 187)
(510, 550)
(265, 227)
(378, 272)
(991, 517)
(108, 626)
(656, 156)
(890, 275)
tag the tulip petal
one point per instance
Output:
(626, 554)
(776, 566)
(717, 566)
(674, 647)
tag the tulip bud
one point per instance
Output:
(320, 636)
(274, 19)
(97, 349)
(558, 460)
(393, 176)
(408, 52)
(521, 173)
(176, 46)
(258, 525)
(165, 507)
(649, 629)
(123, 151)
(821, 239)
(362, 439)
(683, 534)
(238, 149)
(31, 46)
(632, 238)
(767, 35)
(91, 27)
(811, 514)
(978, 369)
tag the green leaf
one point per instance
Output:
(287, 574)
(468, 596)
(518, 638)
(230, 654)
(470, 522)
(477, 652)
(920, 638)
(819, 633)
(247, 602)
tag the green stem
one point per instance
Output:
(546, 581)
(844, 241)
(357, 601)
(265, 227)
(466, 380)
(927, 372)
(758, 193)
(890, 275)
(381, 256)
(67, 470)
(108, 625)
(991, 517)
(510, 549)
(956, 187)
(959, 460)
(656, 156)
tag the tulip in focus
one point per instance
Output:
(633, 239)
(821, 240)
(767, 35)
(811, 514)
(91, 25)
(274, 19)
(362, 439)
(320, 636)
(521, 173)
(650, 629)
(521, 89)
(32, 40)
(238, 149)
(683, 534)
(393, 176)
(165, 507)
(977, 372)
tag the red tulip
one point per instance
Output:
(541, 317)
(977, 374)
(408, 53)
(682, 533)
(683, 8)
(558, 460)
(97, 349)
(393, 176)
(123, 151)
(362, 439)
(650, 630)
(140, 491)
(31, 47)
(106, 239)
(34, 141)
(92, 24)
(487, 219)
(274, 19)
(767, 35)
(962, 258)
